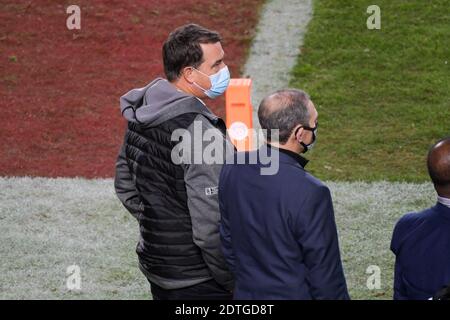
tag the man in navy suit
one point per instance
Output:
(278, 229)
(421, 241)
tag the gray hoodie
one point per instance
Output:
(154, 104)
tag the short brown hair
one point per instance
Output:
(182, 48)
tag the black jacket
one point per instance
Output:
(174, 199)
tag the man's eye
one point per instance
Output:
(217, 65)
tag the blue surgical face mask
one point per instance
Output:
(219, 83)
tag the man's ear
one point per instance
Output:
(298, 132)
(188, 74)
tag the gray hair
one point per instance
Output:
(283, 110)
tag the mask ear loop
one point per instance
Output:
(304, 145)
(200, 72)
(196, 84)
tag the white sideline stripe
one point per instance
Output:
(67, 191)
(49, 224)
(276, 46)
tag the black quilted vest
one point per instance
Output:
(166, 248)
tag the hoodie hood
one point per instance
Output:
(160, 101)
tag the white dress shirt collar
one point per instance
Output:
(444, 201)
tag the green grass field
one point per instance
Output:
(383, 96)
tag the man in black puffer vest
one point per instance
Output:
(176, 202)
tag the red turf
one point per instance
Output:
(60, 88)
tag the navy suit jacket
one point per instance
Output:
(421, 243)
(278, 231)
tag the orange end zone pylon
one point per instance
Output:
(239, 113)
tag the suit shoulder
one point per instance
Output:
(406, 222)
(406, 225)
(412, 218)
(311, 186)
(314, 183)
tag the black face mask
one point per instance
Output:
(307, 147)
